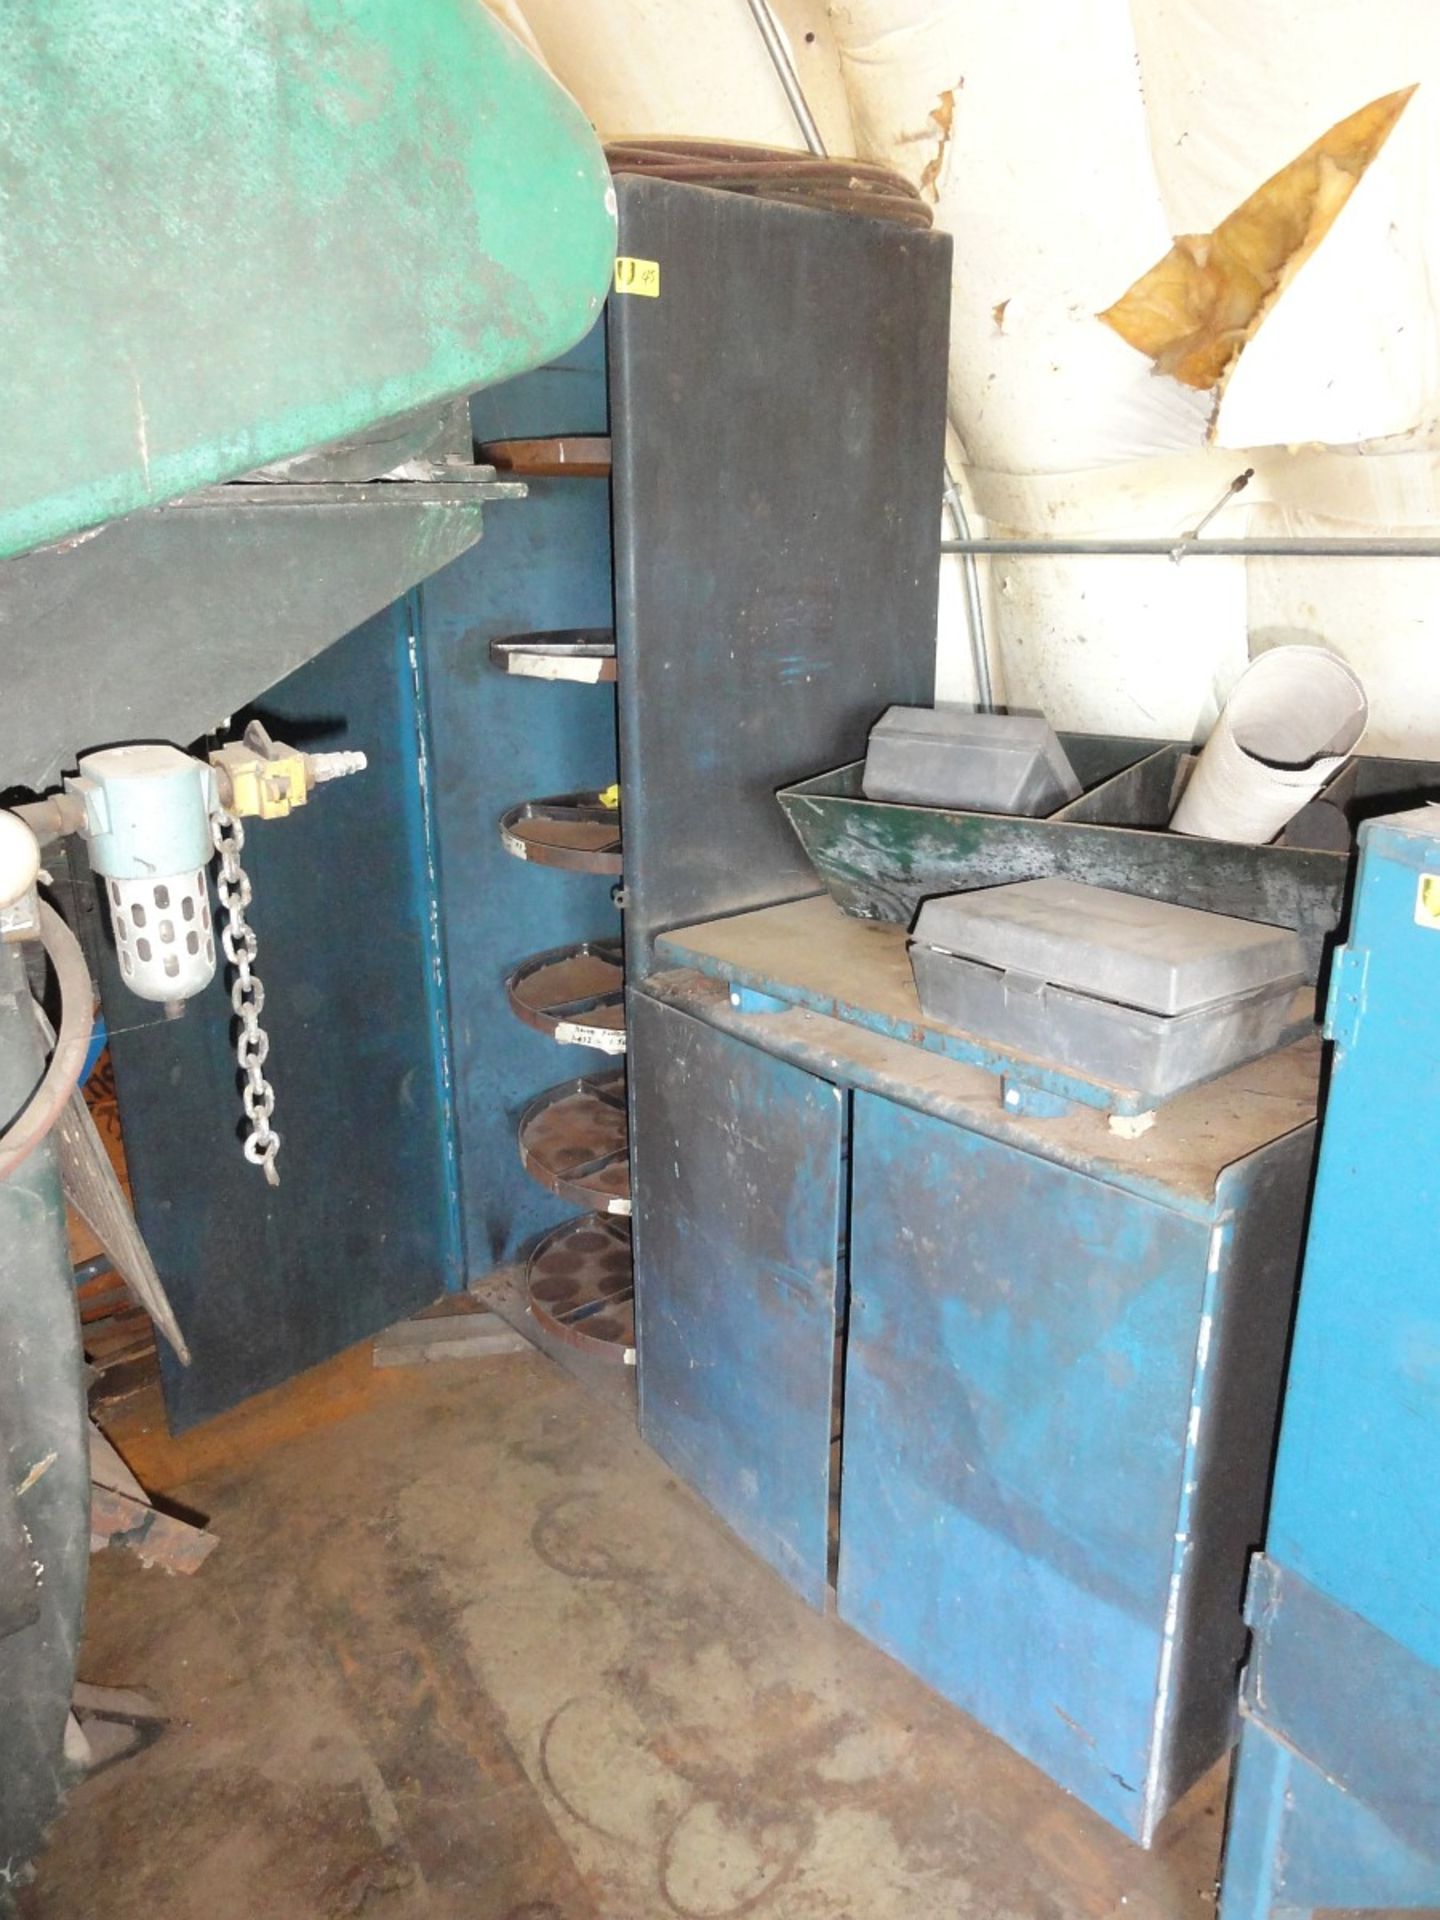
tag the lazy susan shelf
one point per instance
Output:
(574, 1140)
(583, 654)
(575, 994)
(581, 1286)
(570, 830)
(583, 456)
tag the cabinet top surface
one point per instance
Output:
(1180, 1156)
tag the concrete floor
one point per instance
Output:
(470, 1650)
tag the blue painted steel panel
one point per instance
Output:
(1335, 1802)
(497, 740)
(737, 1272)
(1356, 1509)
(1361, 1708)
(362, 1229)
(1297, 1843)
(1022, 1347)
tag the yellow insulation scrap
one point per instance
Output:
(1195, 309)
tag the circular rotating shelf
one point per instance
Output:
(569, 830)
(581, 455)
(583, 654)
(581, 1286)
(575, 994)
(575, 1141)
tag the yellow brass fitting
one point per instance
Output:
(252, 787)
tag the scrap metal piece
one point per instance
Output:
(457, 1328)
(93, 1188)
(107, 1724)
(121, 1515)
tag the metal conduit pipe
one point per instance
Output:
(964, 545)
(1277, 546)
(769, 28)
(54, 816)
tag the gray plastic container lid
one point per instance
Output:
(956, 756)
(1116, 946)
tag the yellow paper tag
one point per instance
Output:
(637, 276)
(1427, 900)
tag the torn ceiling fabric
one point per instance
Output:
(1067, 149)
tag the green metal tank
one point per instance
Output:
(230, 233)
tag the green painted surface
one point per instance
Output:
(234, 229)
(879, 859)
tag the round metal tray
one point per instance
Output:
(575, 994)
(585, 654)
(574, 1140)
(584, 456)
(570, 830)
(581, 1286)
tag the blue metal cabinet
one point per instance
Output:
(737, 1260)
(1050, 1395)
(1061, 1366)
(1337, 1794)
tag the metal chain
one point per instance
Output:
(247, 995)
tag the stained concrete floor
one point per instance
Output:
(471, 1650)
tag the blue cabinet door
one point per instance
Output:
(1336, 1801)
(1021, 1358)
(364, 1227)
(737, 1163)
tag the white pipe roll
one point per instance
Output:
(1292, 718)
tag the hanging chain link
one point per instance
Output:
(247, 994)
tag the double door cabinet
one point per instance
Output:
(1024, 1373)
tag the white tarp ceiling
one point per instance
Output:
(1065, 147)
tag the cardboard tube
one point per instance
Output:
(1292, 718)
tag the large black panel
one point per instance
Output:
(778, 418)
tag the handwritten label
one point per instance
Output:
(637, 276)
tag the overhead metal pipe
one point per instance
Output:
(964, 545)
(784, 67)
(1276, 546)
(775, 45)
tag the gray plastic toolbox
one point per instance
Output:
(952, 756)
(1133, 991)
